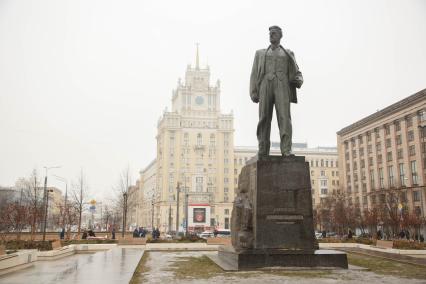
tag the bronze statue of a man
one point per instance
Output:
(274, 79)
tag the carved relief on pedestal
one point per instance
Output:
(242, 213)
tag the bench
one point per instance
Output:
(384, 244)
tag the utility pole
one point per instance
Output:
(152, 214)
(170, 218)
(124, 212)
(186, 213)
(44, 206)
(177, 208)
(45, 200)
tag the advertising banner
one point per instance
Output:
(199, 215)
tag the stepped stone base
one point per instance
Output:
(230, 259)
(272, 220)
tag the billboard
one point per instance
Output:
(199, 215)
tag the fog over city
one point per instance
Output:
(83, 83)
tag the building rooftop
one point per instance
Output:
(417, 97)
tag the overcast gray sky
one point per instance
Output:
(83, 83)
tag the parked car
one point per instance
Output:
(331, 234)
(167, 236)
(205, 235)
(222, 233)
(318, 235)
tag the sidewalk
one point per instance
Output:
(417, 257)
(112, 266)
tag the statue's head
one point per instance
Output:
(275, 34)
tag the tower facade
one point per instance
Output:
(195, 157)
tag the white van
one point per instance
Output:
(222, 233)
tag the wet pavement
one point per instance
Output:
(113, 266)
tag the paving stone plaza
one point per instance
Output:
(181, 263)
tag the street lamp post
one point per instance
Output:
(186, 212)
(45, 199)
(152, 215)
(124, 212)
(177, 208)
(170, 218)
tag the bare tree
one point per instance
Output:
(392, 213)
(5, 225)
(413, 221)
(79, 196)
(371, 216)
(34, 196)
(66, 218)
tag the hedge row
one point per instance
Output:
(79, 242)
(17, 245)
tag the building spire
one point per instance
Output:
(197, 59)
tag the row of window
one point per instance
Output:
(391, 180)
(388, 144)
(322, 173)
(379, 158)
(324, 163)
(409, 122)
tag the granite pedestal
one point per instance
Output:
(272, 220)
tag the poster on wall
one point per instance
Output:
(199, 215)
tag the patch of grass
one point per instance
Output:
(387, 267)
(195, 267)
(141, 269)
(203, 268)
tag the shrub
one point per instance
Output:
(365, 241)
(21, 244)
(78, 242)
(400, 244)
(189, 239)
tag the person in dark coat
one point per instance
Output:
(62, 234)
(113, 233)
(350, 234)
(84, 236)
(136, 233)
(379, 235)
(142, 232)
(156, 233)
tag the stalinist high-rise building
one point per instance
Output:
(195, 152)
